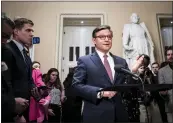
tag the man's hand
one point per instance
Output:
(21, 105)
(20, 119)
(35, 93)
(139, 62)
(108, 94)
(63, 98)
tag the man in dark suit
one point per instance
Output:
(10, 105)
(19, 64)
(96, 71)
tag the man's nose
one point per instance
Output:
(32, 34)
(106, 38)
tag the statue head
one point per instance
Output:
(134, 18)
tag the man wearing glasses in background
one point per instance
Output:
(96, 71)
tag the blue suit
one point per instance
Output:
(90, 75)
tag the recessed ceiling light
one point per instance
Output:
(81, 22)
(171, 21)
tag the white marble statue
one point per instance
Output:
(136, 40)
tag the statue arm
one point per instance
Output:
(126, 37)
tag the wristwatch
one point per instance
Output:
(100, 94)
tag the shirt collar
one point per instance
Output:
(19, 45)
(101, 54)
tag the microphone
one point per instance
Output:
(121, 69)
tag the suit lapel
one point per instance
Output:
(115, 62)
(16, 49)
(21, 63)
(97, 61)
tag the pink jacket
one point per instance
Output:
(38, 110)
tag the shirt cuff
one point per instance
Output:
(99, 95)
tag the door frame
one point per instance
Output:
(60, 23)
(158, 17)
(31, 52)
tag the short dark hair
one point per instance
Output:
(146, 59)
(168, 48)
(155, 63)
(163, 64)
(99, 28)
(19, 23)
(5, 19)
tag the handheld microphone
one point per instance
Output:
(121, 69)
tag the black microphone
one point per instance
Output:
(121, 69)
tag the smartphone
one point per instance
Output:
(35, 40)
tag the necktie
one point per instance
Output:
(107, 67)
(27, 59)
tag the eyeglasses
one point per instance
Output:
(103, 37)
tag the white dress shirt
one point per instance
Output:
(110, 60)
(20, 46)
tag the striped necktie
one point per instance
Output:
(27, 59)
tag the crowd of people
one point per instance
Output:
(30, 96)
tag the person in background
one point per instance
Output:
(11, 106)
(137, 101)
(155, 68)
(159, 100)
(39, 110)
(71, 108)
(57, 94)
(19, 64)
(7, 29)
(168, 56)
(145, 112)
(165, 76)
(43, 77)
(148, 107)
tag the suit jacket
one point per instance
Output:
(20, 77)
(7, 98)
(90, 75)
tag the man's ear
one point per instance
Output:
(16, 31)
(94, 40)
